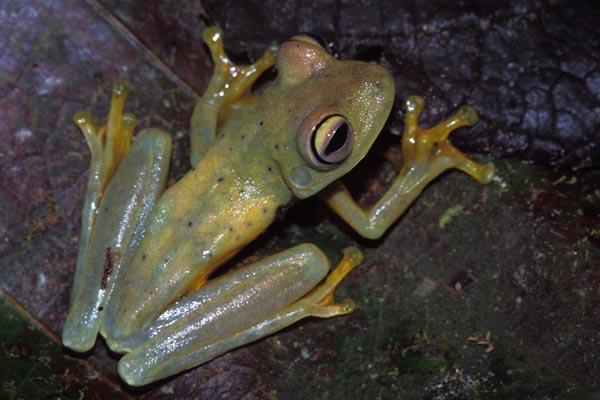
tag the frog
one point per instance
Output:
(145, 277)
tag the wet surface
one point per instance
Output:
(518, 258)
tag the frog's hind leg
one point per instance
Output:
(108, 144)
(239, 308)
(124, 182)
(229, 87)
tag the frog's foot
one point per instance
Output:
(230, 82)
(108, 143)
(428, 152)
(320, 302)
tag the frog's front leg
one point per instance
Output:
(123, 184)
(229, 86)
(239, 308)
(426, 154)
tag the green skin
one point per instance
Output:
(145, 258)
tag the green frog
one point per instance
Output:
(147, 252)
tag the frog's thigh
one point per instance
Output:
(118, 229)
(227, 313)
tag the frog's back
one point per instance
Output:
(200, 222)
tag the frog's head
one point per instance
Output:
(325, 113)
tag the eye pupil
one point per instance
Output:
(340, 136)
(331, 141)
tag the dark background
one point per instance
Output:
(518, 258)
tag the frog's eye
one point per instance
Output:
(325, 141)
(331, 47)
(313, 39)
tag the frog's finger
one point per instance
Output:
(450, 157)
(414, 108)
(465, 116)
(231, 81)
(117, 231)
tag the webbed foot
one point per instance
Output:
(108, 143)
(320, 302)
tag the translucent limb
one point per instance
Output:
(426, 153)
(171, 352)
(124, 182)
(229, 86)
(108, 145)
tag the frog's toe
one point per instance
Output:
(320, 302)
(110, 142)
